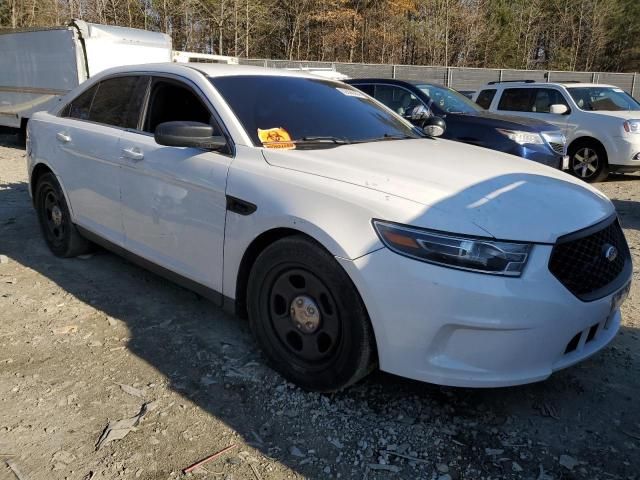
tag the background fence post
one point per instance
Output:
(634, 82)
(500, 75)
(393, 71)
(448, 77)
(548, 75)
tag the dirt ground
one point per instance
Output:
(88, 341)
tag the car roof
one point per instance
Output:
(544, 84)
(208, 69)
(396, 81)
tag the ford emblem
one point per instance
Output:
(610, 252)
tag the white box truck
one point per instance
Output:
(38, 66)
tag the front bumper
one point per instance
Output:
(458, 328)
(539, 154)
(625, 154)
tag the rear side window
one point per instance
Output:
(118, 101)
(517, 99)
(81, 106)
(485, 97)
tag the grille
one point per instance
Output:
(556, 141)
(557, 147)
(581, 264)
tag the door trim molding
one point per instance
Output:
(207, 292)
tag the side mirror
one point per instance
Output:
(419, 113)
(558, 109)
(434, 127)
(188, 134)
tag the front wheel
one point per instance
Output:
(61, 235)
(308, 318)
(589, 163)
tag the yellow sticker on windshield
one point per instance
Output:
(276, 138)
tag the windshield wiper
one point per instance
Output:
(387, 136)
(322, 139)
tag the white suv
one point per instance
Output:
(601, 122)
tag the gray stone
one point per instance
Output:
(568, 462)
(296, 452)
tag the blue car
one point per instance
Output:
(468, 122)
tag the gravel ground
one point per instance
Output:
(88, 341)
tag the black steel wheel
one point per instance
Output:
(308, 317)
(59, 232)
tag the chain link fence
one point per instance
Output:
(460, 78)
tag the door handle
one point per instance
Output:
(63, 137)
(132, 153)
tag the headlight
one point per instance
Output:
(523, 138)
(474, 254)
(632, 126)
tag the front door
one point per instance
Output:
(534, 103)
(173, 198)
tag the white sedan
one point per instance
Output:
(348, 237)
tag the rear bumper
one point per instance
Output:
(458, 328)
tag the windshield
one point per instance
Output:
(449, 100)
(307, 112)
(609, 99)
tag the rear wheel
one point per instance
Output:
(308, 317)
(61, 235)
(589, 162)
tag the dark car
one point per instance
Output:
(467, 122)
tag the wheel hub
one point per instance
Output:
(586, 162)
(56, 215)
(305, 314)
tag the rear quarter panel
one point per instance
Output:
(42, 148)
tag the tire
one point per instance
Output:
(61, 235)
(308, 318)
(588, 162)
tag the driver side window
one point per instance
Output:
(545, 97)
(397, 99)
(171, 101)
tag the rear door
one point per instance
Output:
(173, 198)
(88, 157)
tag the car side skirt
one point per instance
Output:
(227, 303)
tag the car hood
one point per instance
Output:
(510, 122)
(621, 114)
(459, 185)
